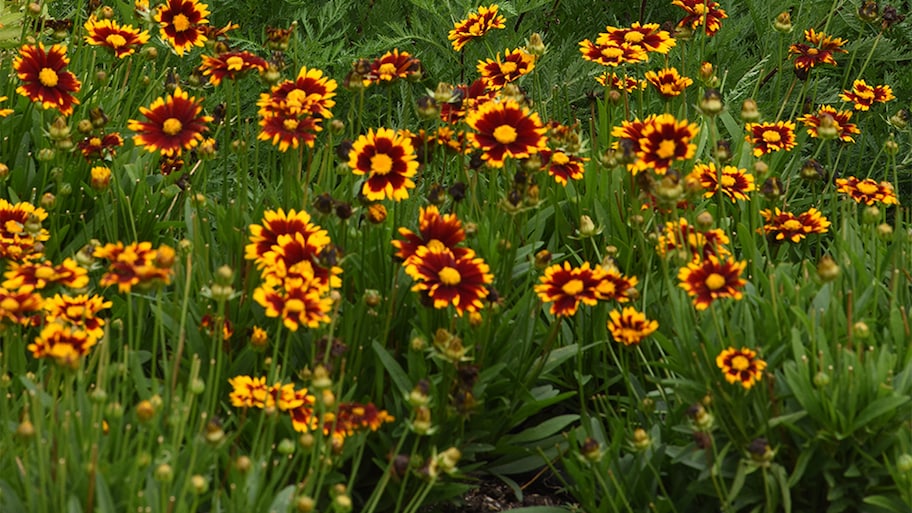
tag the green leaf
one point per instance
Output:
(789, 418)
(282, 501)
(397, 374)
(543, 430)
(781, 478)
(881, 406)
(887, 503)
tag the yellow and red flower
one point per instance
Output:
(79, 311)
(788, 226)
(663, 141)
(446, 229)
(135, 264)
(287, 130)
(565, 287)
(863, 96)
(64, 344)
(248, 392)
(463, 100)
(668, 82)
(393, 65)
(496, 73)
(447, 279)
(21, 234)
(297, 301)
(867, 191)
(230, 65)
(649, 38)
(630, 327)
(828, 123)
(504, 130)
(174, 124)
(21, 306)
(613, 81)
(563, 166)
(388, 159)
(741, 366)
(45, 78)
(612, 54)
(100, 146)
(732, 182)
(41, 274)
(705, 13)
(819, 49)
(712, 278)
(696, 244)
(123, 40)
(309, 93)
(181, 23)
(476, 25)
(770, 137)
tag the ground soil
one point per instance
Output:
(493, 495)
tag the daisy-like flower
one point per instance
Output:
(181, 23)
(668, 82)
(504, 130)
(867, 191)
(21, 234)
(711, 279)
(100, 146)
(819, 49)
(565, 287)
(647, 37)
(248, 392)
(615, 286)
(497, 73)
(828, 123)
(625, 83)
(863, 96)
(42, 274)
(309, 93)
(446, 229)
(741, 366)
(64, 344)
(563, 166)
(705, 13)
(277, 223)
(297, 302)
(135, 264)
(629, 326)
(174, 124)
(350, 418)
(448, 280)
(475, 26)
(80, 311)
(123, 40)
(663, 141)
(5, 112)
(230, 65)
(696, 244)
(21, 305)
(393, 65)
(612, 54)
(732, 182)
(788, 226)
(45, 78)
(388, 159)
(287, 130)
(770, 137)
(464, 99)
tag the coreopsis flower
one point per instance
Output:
(712, 278)
(819, 49)
(175, 123)
(696, 244)
(220, 35)
(828, 123)
(446, 229)
(309, 93)
(863, 96)
(614, 286)
(668, 82)
(100, 177)
(502, 130)
(563, 166)
(496, 73)
(625, 83)
(100, 146)
(21, 235)
(476, 25)
(457, 101)
(135, 264)
(663, 141)
(64, 344)
(705, 13)
(741, 366)
(788, 226)
(288, 130)
(389, 161)
(248, 392)
(21, 305)
(277, 224)
(123, 40)
(649, 37)
(181, 23)
(732, 182)
(565, 287)
(230, 65)
(5, 112)
(350, 418)
(45, 78)
(42, 274)
(277, 38)
(298, 302)
(770, 137)
(80, 311)
(450, 280)
(867, 191)
(391, 66)
(629, 326)
(612, 54)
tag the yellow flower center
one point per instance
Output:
(791, 225)
(740, 363)
(508, 67)
(560, 158)
(44, 273)
(381, 163)
(572, 287)
(180, 22)
(449, 276)
(866, 188)
(699, 9)
(235, 63)
(115, 40)
(728, 180)
(633, 37)
(812, 51)
(771, 136)
(95, 142)
(48, 77)
(294, 305)
(612, 52)
(9, 304)
(387, 69)
(505, 134)
(290, 124)
(75, 312)
(172, 126)
(715, 281)
(666, 149)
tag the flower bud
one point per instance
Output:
(591, 450)
(749, 111)
(199, 484)
(821, 379)
(535, 45)
(145, 411)
(783, 22)
(164, 473)
(101, 178)
(827, 269)
(641, 439)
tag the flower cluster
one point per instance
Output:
(291, 114)
(705, 13)
(475, 26)
(691, 243)
(867, 191)
(788, 226)
(863, 96)
(656, 142)
(618, 46)
(21, 235)
(732, 182)
(565, 287)
(137, 264)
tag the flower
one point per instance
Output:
(41, 274)
(290, 246)
(230, 65)
(629, 326)
(21, 305)
(770, 137)
(448, 279)
(446, 229)
(461, 99)
(287, 130)
(701, 12)
(615, 286)
(668, 82)
(696, 244)
(100, 146)
(391, 66)
(248, 392)
(100, 177)
(5, 112)
(787, 226)
(819, 51)
(562, 166)
(565, 287)
(664, 140)
(627, 83)
(174, 124)
(496, 73)
(612, 54)
(867, 191)
(80, 311)
(309, 93)
(62, 343)
(504, 130)
(712, 278)
(45, 78)
(828, 123)
(298, 302)
(181, 23)
(864, 96)
(21, 235)
(734, 183)
(741, 366)
(648, 38)
(476, 25)
(121, 39)
(135, 264)
(388, 158)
